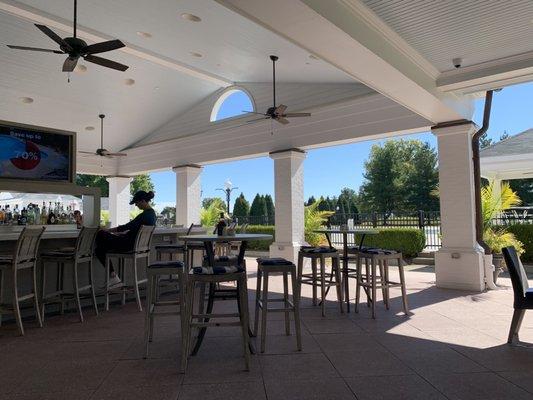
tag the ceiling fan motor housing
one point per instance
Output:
(76, 46)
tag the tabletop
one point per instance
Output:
(353, 231)
(239, 237)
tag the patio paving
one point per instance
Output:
(451, 347)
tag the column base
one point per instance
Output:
(461, 269)
(288, 251)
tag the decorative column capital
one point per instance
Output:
(118, 178)
(287, 153)
(186, 167)
(454, 128)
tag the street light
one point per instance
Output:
(228, 188)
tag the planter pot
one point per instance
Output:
(497, 260)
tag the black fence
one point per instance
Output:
(520, 215)
(256, 220)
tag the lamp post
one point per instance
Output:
(228, 188)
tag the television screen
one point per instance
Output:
(35, 154)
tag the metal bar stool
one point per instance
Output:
(212, 276)
(321, 254)
(169, 307)
(24, 258)
(141, 250)
(271, 266)
(379, 258)
(82, 254)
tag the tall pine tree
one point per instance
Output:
(258, 210)
(241, 208)
(269, 204)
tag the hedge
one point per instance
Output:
(260, 245)
(524, 233)
(409, 241)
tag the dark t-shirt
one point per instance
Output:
(147, 217)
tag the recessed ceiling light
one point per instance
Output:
(80, 68)
(89, 128)
(313, 57)
(129, 82)
(191, 17)
(145, 35)
(156, 87)
(195, 54)
(26, 100)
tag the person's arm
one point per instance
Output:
(135, 223)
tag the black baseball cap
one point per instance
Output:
(142, 195)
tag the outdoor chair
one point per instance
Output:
(275, 266)
(155, 307)
(81, 254)
(369, 281)
(141, 251)
(523, 295)
(320, 254)
(214, 276)
(24, 258)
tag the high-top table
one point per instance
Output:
(209, 242)
(345, 233)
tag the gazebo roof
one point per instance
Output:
(511, 158)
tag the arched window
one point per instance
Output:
(231, 103)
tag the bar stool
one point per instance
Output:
(24, 258)
(370, 281)
(213, 276)
(141, 250)
(271, 266)
(153, 272)
(321, 254)
(81, 254)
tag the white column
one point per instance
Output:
(289, 202)
(188, 192)
(459, 264)
(119, 199)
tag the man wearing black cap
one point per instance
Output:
(122, 237)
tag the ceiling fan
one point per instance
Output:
(101, 151)
(76, 48)
(277, 113)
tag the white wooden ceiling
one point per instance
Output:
(475, 30)
(233, 49)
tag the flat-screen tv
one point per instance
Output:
(35, 153)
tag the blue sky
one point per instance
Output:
(328, 170)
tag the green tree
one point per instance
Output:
(323, 204)
(98, 181)
(141, 182)
(485, 141)
(400, 175)
(524, 189)
(241, 208)
(169, 212)
(310, 201)
(258, 210)
(269, 204)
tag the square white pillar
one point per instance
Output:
(289, 201)
(119, 199)
(459, 264)
(188, 192)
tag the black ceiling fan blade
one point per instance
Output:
(104, 62)
(34, 49)
(54, 36)
(257, 119)
(69, 64)
(282, 120)
(254, 112)
(291, 115)
(103, 47)
(87, 152)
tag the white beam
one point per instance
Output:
(490, 75)
(119, 199)
(38, 16)
(348, 35)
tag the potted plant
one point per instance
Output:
(494, 235)
(315, 219)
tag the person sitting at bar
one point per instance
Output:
(122, 237)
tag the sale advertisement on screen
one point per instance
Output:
(34, 155)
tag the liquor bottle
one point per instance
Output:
(30, 216)
(23, 217)
(36, 214)
(16, 214)
(51, 220)
(44, 214)
(221, 225)
(8, 216)
(2, 215)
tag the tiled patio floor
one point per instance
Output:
(452, 346)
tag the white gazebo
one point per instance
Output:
(512, 158)
(364, 70)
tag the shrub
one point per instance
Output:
(524, 233)
(408, 241)
(260, 245)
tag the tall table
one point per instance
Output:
(344, 233)
(209, 243)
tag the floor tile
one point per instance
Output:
(298, 366)
(368, 363)
(316, 389)
(224, 391)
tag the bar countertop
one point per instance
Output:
(11, 233)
